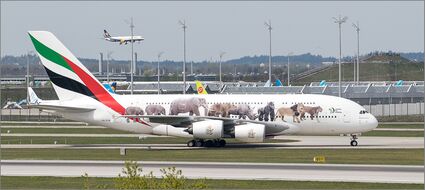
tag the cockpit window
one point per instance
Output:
(363, 112)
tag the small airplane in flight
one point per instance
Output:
(208, 119)
(121, 39)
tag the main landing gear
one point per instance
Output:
(353, 140)
(206, 143)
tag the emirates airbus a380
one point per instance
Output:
(208, 119)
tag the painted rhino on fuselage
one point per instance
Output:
(243, 111)
(188, 105)
(220, 110)
(155, 110)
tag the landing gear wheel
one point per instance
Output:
(191, 143)
(199, 143)
(353, 140)
(221, 143)
(209, 143)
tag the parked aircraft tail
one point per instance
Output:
(200, 88)
(278, 82)
(32, 97)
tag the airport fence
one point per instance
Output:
(396, 109)
(29, 115)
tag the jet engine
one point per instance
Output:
(209, 129)
(250, 132)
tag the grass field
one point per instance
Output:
(333, 156)
(108, 183)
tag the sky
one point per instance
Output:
(236, 28)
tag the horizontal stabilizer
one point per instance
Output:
(69, 109)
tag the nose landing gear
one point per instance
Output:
(353, 140)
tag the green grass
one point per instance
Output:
(333, 156)
(64, 130)
(110, 140)
(394, 133)
(402, 126)
(108, 183)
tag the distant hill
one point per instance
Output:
(303, 58)
(12, 66)
(370, 72)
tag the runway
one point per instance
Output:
(225, 170)
(300, 142)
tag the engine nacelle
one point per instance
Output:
(250, 132)
(209, 129)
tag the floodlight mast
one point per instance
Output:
(221, 57)
(132, 55)
(269, 27)
(27, 77)
(108, 55)
(357, 27)
(289, 83)
(339, 21)
(159, 57)
(184, 26)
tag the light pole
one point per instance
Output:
(289, 54)
(339, 21)
(269, 27)
(28, 75)
(108, 55)
(183, 24)
(159, 56)
(132, 56)
(357, 27)
(221, 57)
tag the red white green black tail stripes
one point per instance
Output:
(67, 73)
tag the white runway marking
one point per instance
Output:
(227, 170)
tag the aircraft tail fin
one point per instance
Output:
(200, 88)
(106, 34)
(32, 97)
(70, 78)
(278, 82)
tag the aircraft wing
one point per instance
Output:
(185, 121)
(60, 108)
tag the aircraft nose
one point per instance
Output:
(373, 122)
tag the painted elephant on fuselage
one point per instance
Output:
(133, 110)
(188, 105)
(155, 110)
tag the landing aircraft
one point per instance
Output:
(121, 39)
(207, 119)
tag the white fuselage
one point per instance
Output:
(123, 39)
(338, 115)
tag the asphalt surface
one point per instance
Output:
(300, 142)
(226, 170)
